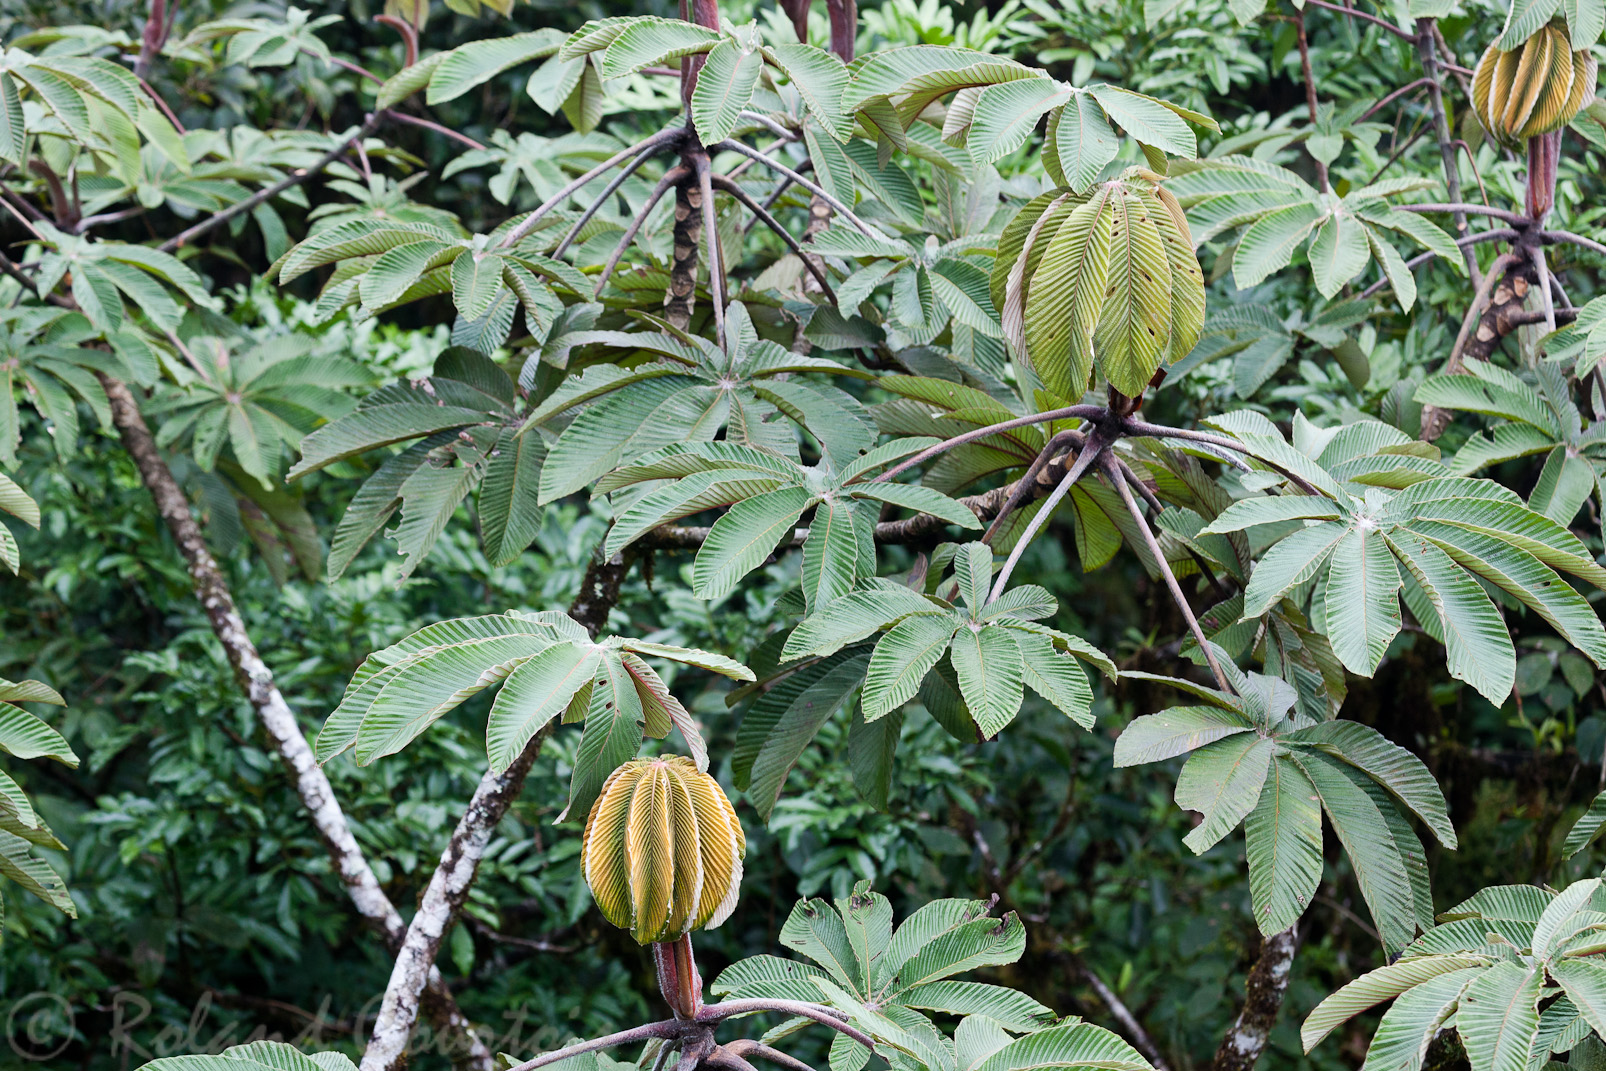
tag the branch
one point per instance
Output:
(1157, 431)
(716, 255)
(1552, 237)
(1512, 218)
(430, 124)
(1542, 270)
(1356, 13)
(1310, 94)
(256, 679)
(239, 207)
(746, 1046)
(1447, 151)
(782, 169)
(671, 177)
(1123, 1015)
(1153, 544)
(1263, 999)
(713, 1013)
(1073, 412)
(1397, 94)
(660, 140)
(1024, 486)
(450, 884)
(763, 216)
(1091, 450)
(596, 206)
(1502, 234)
(668, 1028)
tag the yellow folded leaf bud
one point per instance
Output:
(663, 849)
(1534, 89)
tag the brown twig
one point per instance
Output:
(762, 215)
(671, 178)
(1356, 13)
(607, 192)
(1169, 576)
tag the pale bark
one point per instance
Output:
(1263, 999)
(277, 719)
(454, 877)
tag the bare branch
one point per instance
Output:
(1552, 237)
(607, 192)
(217, 219)
(667, 1028)
(761, 214)
(1123, 1015)
(1512, 218)
(1093, 413)
(1357, 13)
(745, 1046)
(671, 177)
(820, 1013)
(716, 255)
(661, 141)
(1023, 487)
(780, 168)
(1091, 449)
(1263, 999)
(1153, 544)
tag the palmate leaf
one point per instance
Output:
(549, 665)
(724, 87)
(783, 721)
(1379, 985)
(1498, 1017)
(1283, 836)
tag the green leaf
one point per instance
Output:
(1083, 141)
(479, 61)
(654, 41)
(830, 553)
(1524, 18)
(1010, 1008)
(872, 747)
(901, 661)
(987, 662)
(1374, 987)
(1411, 1025)
(509, 515)
(1290, 562)
(1269, 243)
(18, 863)
(1058, 678)
(1067, 1045)
(724, 87)
(25, 736)
(1478, 647)
(535, 692)
(740, 540)
(1147, 120)
(1587, 828)
(1499, 1017)
(816, 931)
(1173, 732)
(417, 692)
(984, 942)
(1283, 837)
(1363, 605)
(1585, 984)
(853, 617)
(820, 77)
(1338, 253)
(1006, 115)
(785, 719)
(613, 733)
(921, 500)
(1373, 853)
(1398, 771)
(1223, 781)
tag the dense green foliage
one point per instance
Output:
(389, 410)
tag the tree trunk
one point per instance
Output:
(681, 296)
(1263, 999)
(449, 886)
(256, 679)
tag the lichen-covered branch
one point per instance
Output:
(256, 679)
(1263, 999)
(454, 876)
